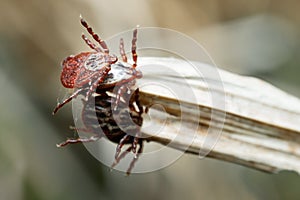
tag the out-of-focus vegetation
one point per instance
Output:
(258, 38)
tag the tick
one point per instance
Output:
(109, 90)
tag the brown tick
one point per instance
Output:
(110, 84)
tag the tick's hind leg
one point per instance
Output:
(121, 144)
(79, 140)
(128, 150)
(136, 156)
(122, 155)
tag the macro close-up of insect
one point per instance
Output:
(201, 101)
(110, 95)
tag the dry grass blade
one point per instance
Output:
(262, 123)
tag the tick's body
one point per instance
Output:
(109, 90)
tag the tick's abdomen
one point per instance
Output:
(100, 116)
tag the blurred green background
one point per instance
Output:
(258, 38)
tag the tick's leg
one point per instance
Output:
(121, 91)
(95, 36)
(137, 101)
(134, 144)
(133, 48)
(91, 44)
(60, 105)
(123, 154)
(121, 144)
(99, 79)
(136, 140)
(123, 87)
(122, 50)
(79, 140)
(136, 156)
(85, 130)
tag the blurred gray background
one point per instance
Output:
(258, 38)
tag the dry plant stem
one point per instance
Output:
(261, 128)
